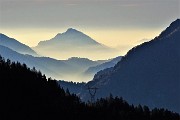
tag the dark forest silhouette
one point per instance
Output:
(26, 94)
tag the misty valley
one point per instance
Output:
(72, 76)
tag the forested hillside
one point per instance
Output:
(26, 94)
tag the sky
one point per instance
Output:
(116, 23)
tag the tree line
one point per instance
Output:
(26, 94)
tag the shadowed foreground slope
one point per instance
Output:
(27, 95)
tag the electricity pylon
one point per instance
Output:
(92, 92)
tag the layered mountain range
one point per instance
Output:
(69, 70)
(72, 69)
(74, 43)
(149, 74)
(16, 45)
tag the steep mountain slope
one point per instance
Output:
(73, 43)
(149, 74)
(73, 87)
(70, 69)
(91, 71)
(16, 45)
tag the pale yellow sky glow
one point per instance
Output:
(122, 40)
(119, 24)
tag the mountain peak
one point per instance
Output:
(69, 31)
(74, 43)
(175, 25)
(72, 30)
(176, 21)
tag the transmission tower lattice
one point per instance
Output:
(92, 92)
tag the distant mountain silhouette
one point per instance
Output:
(70, 69)
(70, 36)
(74, 43)
(82, 63)
(148, 74)
(16, 45)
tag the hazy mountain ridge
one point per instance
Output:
(149, 74)
(39, 62)
(79, 88)
(16, 45)
(93, 70)
(74, 43)
(82, 63)
(71, 35)
(70, 69)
